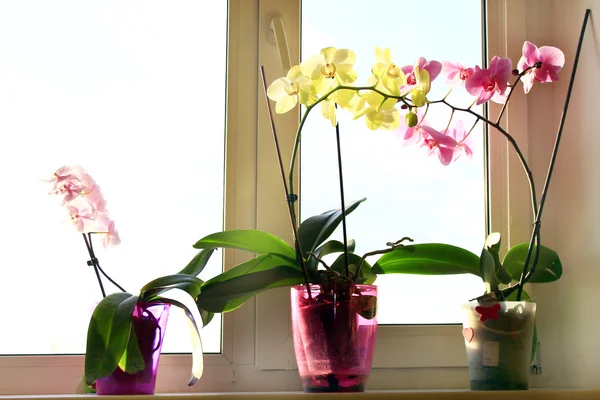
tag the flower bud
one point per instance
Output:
(411, 119)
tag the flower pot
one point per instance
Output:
(149, 321)
(498, 338)
(334, 335)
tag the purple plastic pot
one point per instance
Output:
(334, 335)
(150, 321)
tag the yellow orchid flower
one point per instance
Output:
(330, 68)
(420, 91)
(342, 98)
(380, 112)
(388, 75)
(293, 88)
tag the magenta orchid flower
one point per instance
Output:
(433, 68)
(490, 83)
(439, 144)
(464, 141)
(456, 74)
(551, 59)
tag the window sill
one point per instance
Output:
(534, 394)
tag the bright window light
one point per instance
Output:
(134, 93)
(408, 192)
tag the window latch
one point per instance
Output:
(278, 29)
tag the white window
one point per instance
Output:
(171, 53)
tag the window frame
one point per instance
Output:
(257, 352)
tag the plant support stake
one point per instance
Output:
(341, 175)
(290, 202)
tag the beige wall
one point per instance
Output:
(569, 310)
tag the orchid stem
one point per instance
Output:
(88, 244)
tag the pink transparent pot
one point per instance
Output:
(334, 335)
(150, 321)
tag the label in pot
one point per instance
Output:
(491, 351)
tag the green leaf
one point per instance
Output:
(339, 265)
(492, 244)
(108, 334)
(335, 246)
(428, 259)
(197, 264)
(548, 269)
(227, 295)
(315, 230)
(487, 268)
(256, 264)
(188, 283)
(132, 360)
(183, 300)
(250, 240)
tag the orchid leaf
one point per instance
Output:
(487, 268)
(256, 264)
(108, 335)
(188, 283)
(182, 299)
(315, 230)
(428, 259)
(132, 360)
(492, 244)
(330, 247)
(255, 241)
(548, 269)
(220, 295)
(197, 264)
(339, 265)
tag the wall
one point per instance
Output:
(569, 310)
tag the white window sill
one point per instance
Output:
(534, 394)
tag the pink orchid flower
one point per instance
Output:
(69, 190)
(95, 199)
(78, 217)
(107, 226)
(111, 238)
(438, 143)
(433, 68)
(464, 141)
(490, 83)
(551, 58)
(62, 174)
(456, 74)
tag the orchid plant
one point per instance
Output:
(394, 98)
(112, 341)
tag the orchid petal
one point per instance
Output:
(531, 53)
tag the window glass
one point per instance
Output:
(409, 193)
(134, 93)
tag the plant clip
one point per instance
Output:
(92, 262)
(488, 312)
(292, 198)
